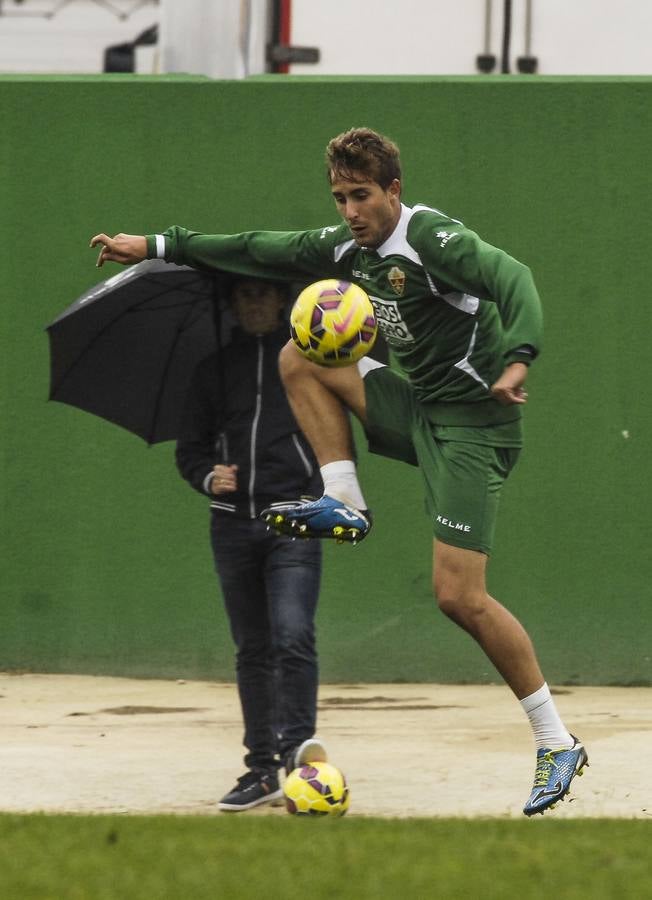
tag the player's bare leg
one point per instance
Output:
(320, 399)
(460, 588)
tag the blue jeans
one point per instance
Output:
(270, 585)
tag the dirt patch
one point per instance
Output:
(141, 710)
(85, 744)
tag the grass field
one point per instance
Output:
(282, 858)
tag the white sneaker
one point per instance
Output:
(311, 750)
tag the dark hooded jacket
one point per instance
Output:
(237, 413)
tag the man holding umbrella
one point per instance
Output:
(239, 445)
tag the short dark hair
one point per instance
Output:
(363, 152)
(232, 280)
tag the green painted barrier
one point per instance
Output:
(105, 556)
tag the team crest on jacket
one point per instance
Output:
(396, 278)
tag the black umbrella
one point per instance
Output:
(127, 348)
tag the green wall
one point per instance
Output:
(105, 557)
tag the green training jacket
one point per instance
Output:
(453, 309)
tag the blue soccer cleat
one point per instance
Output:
(553, 775)
(323, 518)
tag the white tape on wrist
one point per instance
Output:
(160, 246)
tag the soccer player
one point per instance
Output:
(463, 320)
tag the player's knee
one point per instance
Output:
(291, 364)
(447, 588)
(458, 602)
(447, 600)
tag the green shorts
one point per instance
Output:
(463, 467)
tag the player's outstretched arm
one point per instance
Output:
(509, 387)
(125, 249)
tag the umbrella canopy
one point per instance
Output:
(127, 348)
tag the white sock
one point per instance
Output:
(341, 481)
(548, 728)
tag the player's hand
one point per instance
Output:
(123, 248)
(509, 387)
(225, 480)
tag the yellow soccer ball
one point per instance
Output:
(316, 789)
(333, 323)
